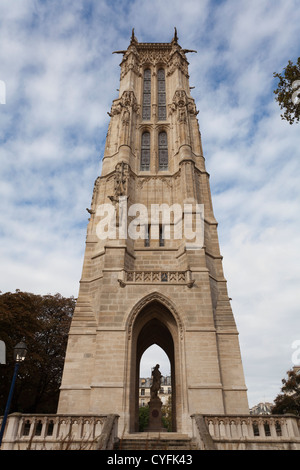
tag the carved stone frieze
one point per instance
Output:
(147, 179)
(153, 56)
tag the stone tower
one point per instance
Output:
(144, 284)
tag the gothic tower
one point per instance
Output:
(144, 284)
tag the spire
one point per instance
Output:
(175, 38)
(133, 38)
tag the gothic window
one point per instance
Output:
(147, 95)
(161, 85)
(161, 236)
(162, 151)
(147, 236)
(145, 151)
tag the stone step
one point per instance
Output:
(164, 441)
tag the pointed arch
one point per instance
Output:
(154, 320)
(161, 298)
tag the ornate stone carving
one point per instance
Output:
(182, 106)
(127, 101)
(121, 177)
(177, 60)
(154, 56)
(130, 60)
(182, 101)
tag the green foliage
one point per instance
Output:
(167, 414)
(43, 323)
(289, 400)
(143, 417)
(287, 92)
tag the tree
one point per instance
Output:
(289, 400)
(288, 92)
(167, 414)
(43, 323)
(143, 417)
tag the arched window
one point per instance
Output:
(162, 151)
(161, 86)
(147, 95)
(145, 151)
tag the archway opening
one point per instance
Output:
(154, 325)
(152, 356)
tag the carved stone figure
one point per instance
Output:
(156, 378)
(120, 188)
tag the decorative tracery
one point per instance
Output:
(162, 151)
(161, 86)
(147, 95)
(145, 151)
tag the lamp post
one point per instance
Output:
(20, 351)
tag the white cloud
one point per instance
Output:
(61, 77)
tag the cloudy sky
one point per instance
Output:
(60, 76)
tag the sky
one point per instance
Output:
(59, 77)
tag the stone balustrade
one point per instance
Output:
(247, 432)
(210, 432)
(59, 432)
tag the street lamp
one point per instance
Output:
(20, 351)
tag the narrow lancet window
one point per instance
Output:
(145, 151)
(161, 236)
(161, 85)
(162, 151)
(147, 95)
(147, 236)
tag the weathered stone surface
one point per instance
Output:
(132, 294)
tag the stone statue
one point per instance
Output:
(155, 403)
(156, 378)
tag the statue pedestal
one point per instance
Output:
(155, 421)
